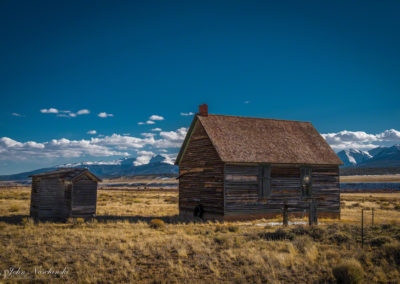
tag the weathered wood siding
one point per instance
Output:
(35, 197)
(201, 176)
(84, 197)
(51, 195)
(242, 191)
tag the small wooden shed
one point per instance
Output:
(64, 193)
(233, 167)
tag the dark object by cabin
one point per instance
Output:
(234, 167)
(64, 193)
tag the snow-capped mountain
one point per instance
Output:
(375, 158)
(123, 167)
(352, 157)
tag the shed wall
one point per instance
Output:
(51, 195)
(84, 197)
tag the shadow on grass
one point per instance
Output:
(174, 219)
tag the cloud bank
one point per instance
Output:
(360, 139)
(114, 145)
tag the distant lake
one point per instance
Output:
(362, 186)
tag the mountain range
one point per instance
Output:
(113, 169)
(380, 157)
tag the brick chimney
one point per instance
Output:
(203, 110)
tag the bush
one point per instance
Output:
(279, 234)
(349, 272)
(80, 220)
(27, 221)
(317, 233)
(392, 252)
(300, 230)
(157, 224)
(339, 238)
(13, 208)
(302, 243)
(233, 229)
(379, 241)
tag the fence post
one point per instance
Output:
(362, 228)
(315, 213)
(310, 214)
(285, 215)
(373, 213)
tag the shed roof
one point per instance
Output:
(67, 173)
(260, 140)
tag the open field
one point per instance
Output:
(123, 245)
(371, 178)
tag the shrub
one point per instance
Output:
(392, 252)
(157, 224)
(339, 238)
(299, 230)
(302, 243)
(27, 221)
(279, 234)
(317, 233)
(233, 229)
(221, 228)
(80, 220)
(379, 241)
(348, 271)
(13, 208)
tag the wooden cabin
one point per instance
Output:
(233, 167)
(64, 193)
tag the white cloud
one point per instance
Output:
(65, 113)
(147, 122)
(156, 117)
(143, 158)
(147, 134)
(50, 110)
(83, 111)
(17, 114)
(156, 129)
(100, 146)
(169, 158)
(187, 113)
(360, 139)
(246, 102)
(104, 114)
(92, 132)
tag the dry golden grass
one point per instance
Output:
(123, 245)
(372, 178)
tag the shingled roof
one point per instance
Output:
(67, 174)
(259, 140)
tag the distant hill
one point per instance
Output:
(123, 167)
(380, 157)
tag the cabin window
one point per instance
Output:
(264, 181)
(306, 181)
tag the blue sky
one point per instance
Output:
(336, 64)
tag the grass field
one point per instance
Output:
(125, 244)
(372, 178)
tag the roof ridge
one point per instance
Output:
(261, 118)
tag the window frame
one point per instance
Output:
(306, 188)
(264, 181)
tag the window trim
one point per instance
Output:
(264, 181)
(306, 171)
